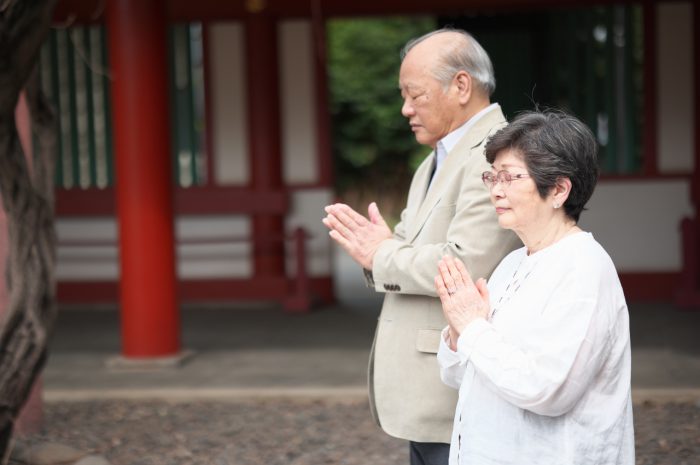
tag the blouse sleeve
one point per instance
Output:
(566, 346)
(451, 367)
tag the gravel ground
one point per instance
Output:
(294, 432)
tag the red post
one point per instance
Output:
(688, 295)
(650, 154)
(300, 299)
(265, 144)
(696, 70)
(144, 192)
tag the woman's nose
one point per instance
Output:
(496, 190)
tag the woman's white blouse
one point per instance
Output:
(547, 379)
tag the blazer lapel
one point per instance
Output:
(487, 124)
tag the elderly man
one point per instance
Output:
(446, 80)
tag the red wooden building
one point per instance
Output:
(230, 99)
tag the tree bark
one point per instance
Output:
(28, 203)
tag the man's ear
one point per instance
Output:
(463, 83)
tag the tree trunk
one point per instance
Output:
(28, 203)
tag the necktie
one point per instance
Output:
(439, 157)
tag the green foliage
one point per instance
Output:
(373, 146)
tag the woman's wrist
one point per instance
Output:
(452, 336)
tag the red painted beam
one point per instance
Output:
(190, 201)
(85, 202)
(205, 200)
(638, 287)
(205, 10)
(85, 11)
(192, 290)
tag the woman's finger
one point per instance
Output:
(440, 285)
(483, 289)
(457, 277)
(463, 273)
(442, 293)
(447, 278)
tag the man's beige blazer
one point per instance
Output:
(455, 218)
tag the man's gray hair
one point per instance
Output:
(465, 55)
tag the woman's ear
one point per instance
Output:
(560, 192)
(463, 82)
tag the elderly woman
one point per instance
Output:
(540, 354)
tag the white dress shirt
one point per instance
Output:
(447, 143)
(547, 379)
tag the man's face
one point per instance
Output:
(429, 108)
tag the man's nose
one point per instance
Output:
(407, 109)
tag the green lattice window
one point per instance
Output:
(74, 69)
(587, 60)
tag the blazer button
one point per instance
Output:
(386, 287)
(398, 288)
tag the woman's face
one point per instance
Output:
(518, 204)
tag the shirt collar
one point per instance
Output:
(447, 143)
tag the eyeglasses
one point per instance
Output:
(490, 179)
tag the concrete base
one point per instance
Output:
(121, 363)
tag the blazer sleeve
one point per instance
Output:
(399, 235)
(472, 235)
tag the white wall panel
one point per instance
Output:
(87, 249)
(213, 247)
(675, 81)
(638, 222)
(307, 211)
(207, 247)
(298, 108)
(228, 100)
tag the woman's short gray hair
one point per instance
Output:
(465, 55)
(553, 145)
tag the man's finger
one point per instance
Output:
(341, 217)
(374, 216)
(327, 222)
(340, 227)
(350, 216)
(341, 240)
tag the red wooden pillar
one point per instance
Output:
(144, 191)
(265, 138)
(695, 181)
(688, 295)
(325, 289)
(323, 116)
(696, 80)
